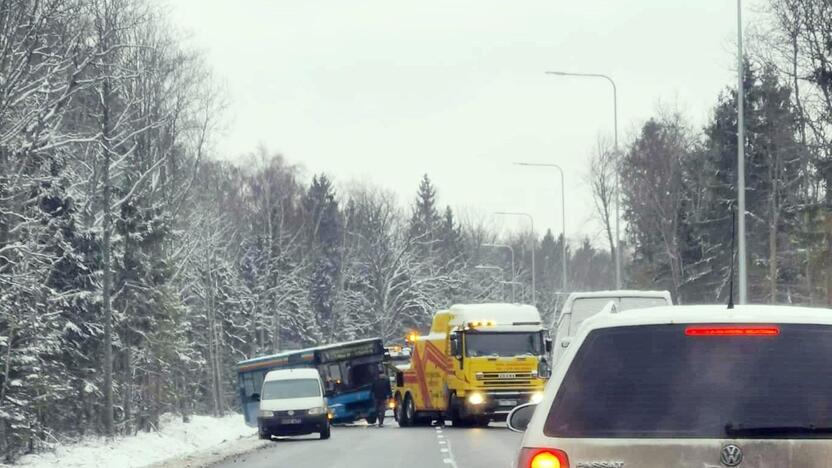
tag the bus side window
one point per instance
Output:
(257, 381)
(248, 385)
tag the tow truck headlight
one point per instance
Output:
(536, 398)
(476, 398)
(265, 414)
(316, 411)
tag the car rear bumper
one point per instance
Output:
(299, 425)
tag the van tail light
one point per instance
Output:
(732, 330)
(542, 458)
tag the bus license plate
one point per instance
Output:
(507, 402)
(290, 421)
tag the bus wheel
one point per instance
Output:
(371, 419)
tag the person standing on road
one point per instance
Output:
(381, 394)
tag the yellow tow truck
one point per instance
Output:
(476, 364)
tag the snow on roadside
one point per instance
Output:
(175, 439)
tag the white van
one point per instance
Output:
(580, 306)
(292, 403)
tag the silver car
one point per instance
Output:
(688, 386)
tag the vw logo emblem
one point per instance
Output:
(292, 412)
(731, 455)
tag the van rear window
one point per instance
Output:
(659, 381)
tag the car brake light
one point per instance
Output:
(542, 458)
(733, 330)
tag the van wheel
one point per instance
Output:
(325, 432)
(263, 434)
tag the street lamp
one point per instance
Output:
(531, 220)
(562, 212)
(617, 185)
(513, 271)
(743, 273)
(491, 267)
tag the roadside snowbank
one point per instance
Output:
(175, 440)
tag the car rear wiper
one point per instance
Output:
(740, 430)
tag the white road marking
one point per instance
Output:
(445, 449)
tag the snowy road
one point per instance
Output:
(389, 447)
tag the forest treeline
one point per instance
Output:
(137, 266)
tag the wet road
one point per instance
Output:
(389, 447)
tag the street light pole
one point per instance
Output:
(534, 243)
(743, 273)
(513, 271)
(562, 213)
(617, 184)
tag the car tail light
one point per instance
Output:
(732, 330)
(542, 458)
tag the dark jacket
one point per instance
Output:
(381, 389)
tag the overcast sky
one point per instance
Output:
(387, 90)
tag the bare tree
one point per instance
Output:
(602, 183)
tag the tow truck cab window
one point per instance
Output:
(503, 344)
(660, 381)
(456, 349)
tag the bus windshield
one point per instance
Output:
(503, 344)
(291, 388)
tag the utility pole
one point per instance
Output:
(741, 252)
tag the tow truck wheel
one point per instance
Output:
(397, 410)
(453, 410)
(409, 413)
(482, 421)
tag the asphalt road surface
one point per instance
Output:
(362, 446)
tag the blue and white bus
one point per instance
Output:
(347, 370)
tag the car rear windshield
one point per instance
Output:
(657, 381)
(291, 388)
